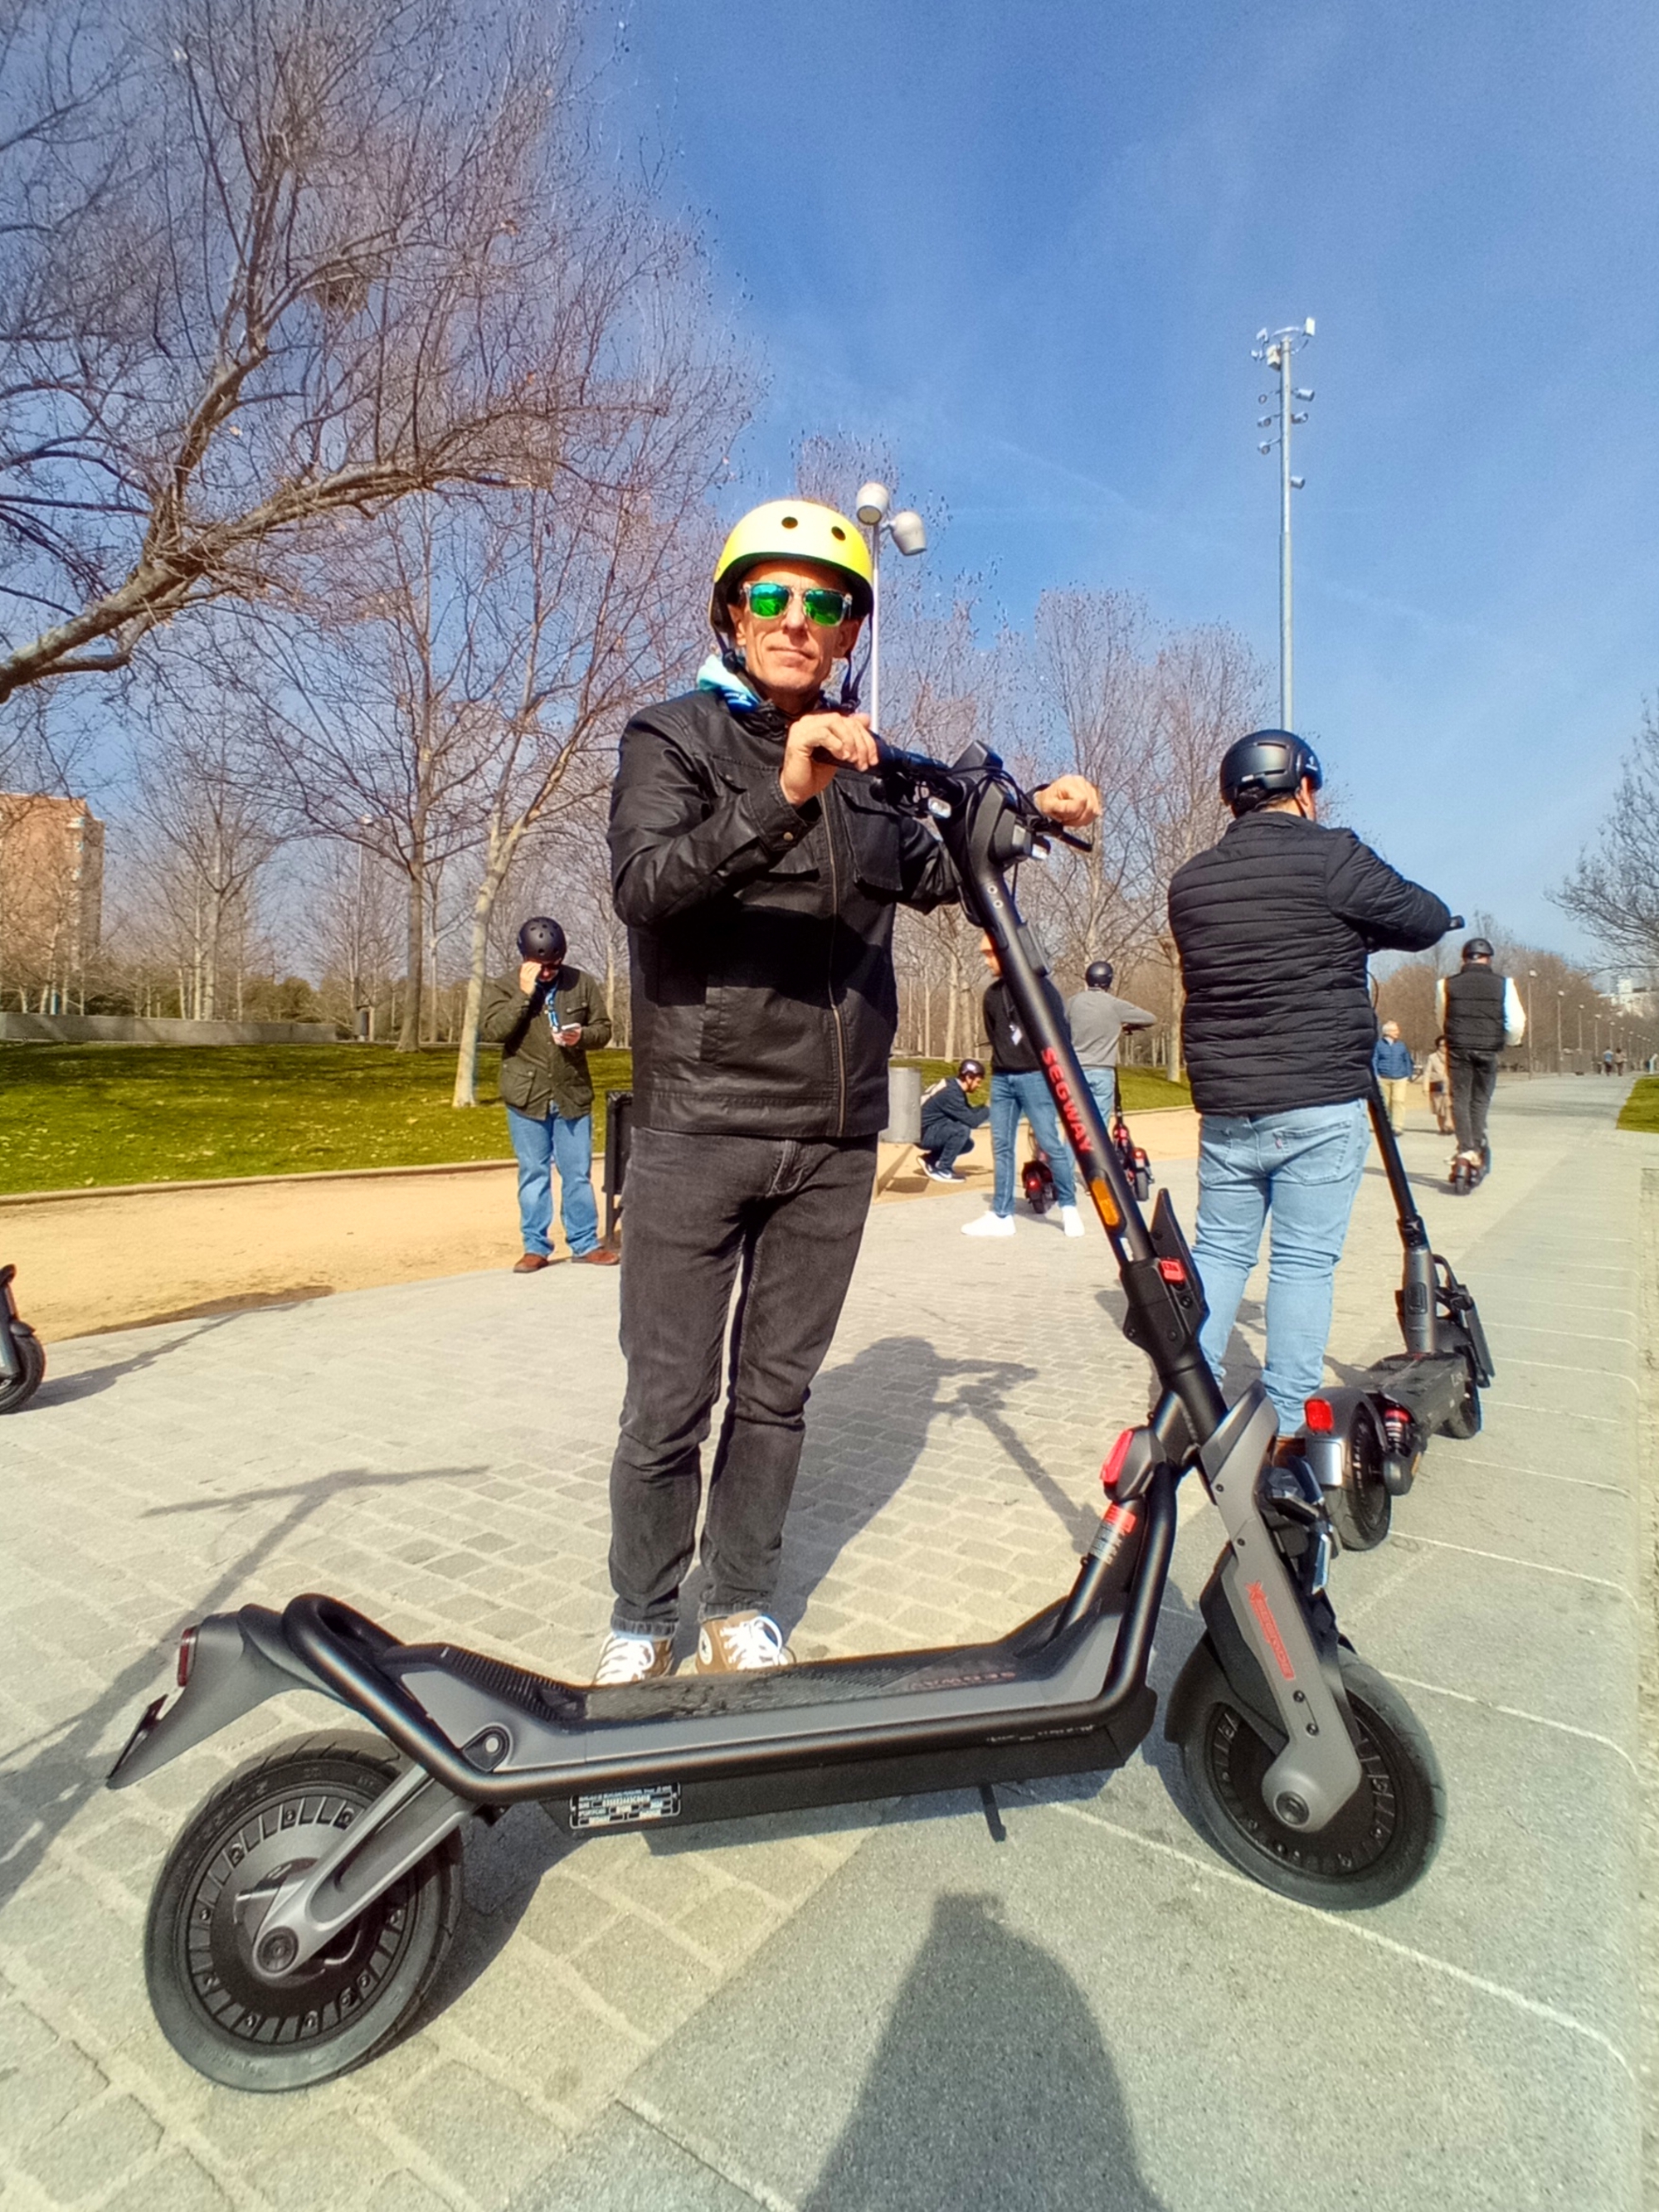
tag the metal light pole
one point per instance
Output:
(1532, 1035)
(910, 534)
(1560, 996)
(1275, 348)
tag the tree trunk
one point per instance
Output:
(409, 1033)
(501, 849)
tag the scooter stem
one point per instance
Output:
(1418, 1322)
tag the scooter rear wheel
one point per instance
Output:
(1361, 1510)
(16, 1390)
(272, 1819)
(1382, 1840)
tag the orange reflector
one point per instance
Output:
(1319, 1416)
(1114, 1466)
(1104, 1204)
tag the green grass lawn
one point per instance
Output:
(76, 1117)
(1642, 1107)
(79, 1115)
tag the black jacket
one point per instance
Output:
(759, 933)
(950, 1107)
(538, 1076)
(1273, 926)
(1012, 1052)
(1475, 1009)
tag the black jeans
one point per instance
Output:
(1474, 1079)
(952, 1140)
(781, 1218)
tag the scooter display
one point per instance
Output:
(1365, 1442)
(302, 1912)
(22, 1355)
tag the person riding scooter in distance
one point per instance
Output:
(1098, 1021)
(758, 869)
(1480, 1012)
(1274, 926)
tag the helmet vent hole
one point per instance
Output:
(836, 531)
(791, 522)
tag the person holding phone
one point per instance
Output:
(545, 1019)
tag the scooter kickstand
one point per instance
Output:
(988, 1797)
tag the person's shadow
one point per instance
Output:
(992, 2090)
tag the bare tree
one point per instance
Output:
(1615, 888)
(281, 264)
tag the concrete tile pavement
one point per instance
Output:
(766, 2014)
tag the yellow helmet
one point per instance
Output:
(792, 529)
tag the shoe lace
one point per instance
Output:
(756, 1643)
(624, 1659)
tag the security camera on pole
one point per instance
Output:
(1275, 348)
(910, 534)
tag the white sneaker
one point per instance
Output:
(990, 1225)
(1071, 1221)
(624, 1659)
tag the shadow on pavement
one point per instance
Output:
(65, 1390)
(40, 1796)
(992, 2088)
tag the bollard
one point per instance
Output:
(904, 1107)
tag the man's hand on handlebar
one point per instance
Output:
(818, 745)
(1070, 800)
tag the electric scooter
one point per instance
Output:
(302, 1913)
(1036, 1179)
(22, 1355)
(1131, 1158)
(1365, 1442)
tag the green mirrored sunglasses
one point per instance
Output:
(822, 605)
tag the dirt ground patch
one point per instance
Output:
(93, 1263)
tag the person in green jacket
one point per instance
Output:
(544, 1020)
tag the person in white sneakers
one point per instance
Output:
(1019, 1091)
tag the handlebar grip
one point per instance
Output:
(1457, 922)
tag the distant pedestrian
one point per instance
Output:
(949, 1119)
(1619, 1060)
(1098, 1022)
(1434, 1079)
(1480, 1012)
(545, 1019)
(1607, 1061)
(1019, 1091)
(1391, 1064)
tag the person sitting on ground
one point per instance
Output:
(1098, 1022)
(1273, 926)
(546, 1018)
(1391, 1064)
(949, 1119)
(1019, 1090)
(1480, 1012)
(758, 869)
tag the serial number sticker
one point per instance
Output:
(622, 1809)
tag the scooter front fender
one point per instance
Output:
(240, 1660)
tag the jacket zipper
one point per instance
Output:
(830, 979)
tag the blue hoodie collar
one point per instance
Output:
(717, 674)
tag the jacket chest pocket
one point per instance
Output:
(873, 835)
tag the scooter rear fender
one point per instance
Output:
(11, 1360)
(240, 1660)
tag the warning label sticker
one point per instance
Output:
(622, 1809)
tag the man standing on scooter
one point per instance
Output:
(758, 868)
(1098, 1021)
(1480, 1012)
(1274, 926)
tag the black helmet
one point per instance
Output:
(542, 939)
(971, 1070)
(1098, 974)
(1477, 948)
(1267, 764)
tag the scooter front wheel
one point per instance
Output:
(258, 2032)
(1378, 1844)
(16, 1390)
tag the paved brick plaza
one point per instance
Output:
(848, 2008)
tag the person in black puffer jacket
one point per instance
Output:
(759, 870)
(1274, 926)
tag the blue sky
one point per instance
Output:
(1031, 246)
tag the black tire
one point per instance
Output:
(1466, 1421)
(1378, 1846)
(344, 2006)
(16, 1390)
(1361, 1510)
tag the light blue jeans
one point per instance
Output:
(541, 1142)
(1012, 1095)
(1102, 1081)
(1304, 1167)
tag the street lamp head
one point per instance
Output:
(1309, 327)
(1298, 483)
(1301, 395)
(873, 501)
(909, 532)
(1266, 447)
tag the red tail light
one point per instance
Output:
(1114, 1466)
(1319, 1415)
(186, 1656)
